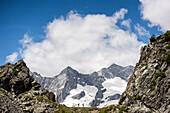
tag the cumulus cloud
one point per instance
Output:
(142, 31)
(12, 58)
(86, 43)
(126, 23)
(157, 12)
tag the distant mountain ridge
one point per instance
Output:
(70, 85)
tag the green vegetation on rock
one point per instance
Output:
(168, 47)
(167, 36)
(19, 68)
(167, 58)
(41, 99)
(3, 91)
(152, 39)
(111, 108)
(145, 64)
(160, 74)
(14, 72)
(153, 84)
(163, 49)
(138, 97)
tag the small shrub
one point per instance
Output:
(40, 99)
(168, 47)
(138, 97)
(153, 84)
(19, 68)
(163, 49)
(160, 74)
(90, 109)
(26, 92)
(75, 109)
(167, 58)
(152, 39)
(105, 111)
(167, 36)
(4, 92)
(63, 111)
(145, 64)
(14, 72)
(120, 111)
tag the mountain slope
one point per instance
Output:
(20, 93)
(70, 83)
(148, 89)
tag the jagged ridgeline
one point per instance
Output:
(98, 89)
(147, 90)
(148, 87)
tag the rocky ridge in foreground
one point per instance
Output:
(148, 89)
(19, 92)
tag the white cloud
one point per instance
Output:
(157, 12)
(26, 40)
(142, 31)
(120, 14)
(86, 43)
(12, 58)
(126, 23)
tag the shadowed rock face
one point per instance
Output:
(114, 97)
(15, 78)
(148, 88)
(79, 96)
(18, 90)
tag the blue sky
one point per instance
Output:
(31, 17)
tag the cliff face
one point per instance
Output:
(148, 88)
(19, 92)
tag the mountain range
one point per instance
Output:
(147, 90)
(97, 89)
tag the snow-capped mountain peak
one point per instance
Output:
(99, 89)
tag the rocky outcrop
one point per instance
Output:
(148, 88)
(19, 92)
(7, 105)
(69, 78)
(113, 97)
(79, 96)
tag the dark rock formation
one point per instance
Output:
(113, 97)
(148, 89)
(19, 92)
(79, 96)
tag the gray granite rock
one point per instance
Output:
(148, 88)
